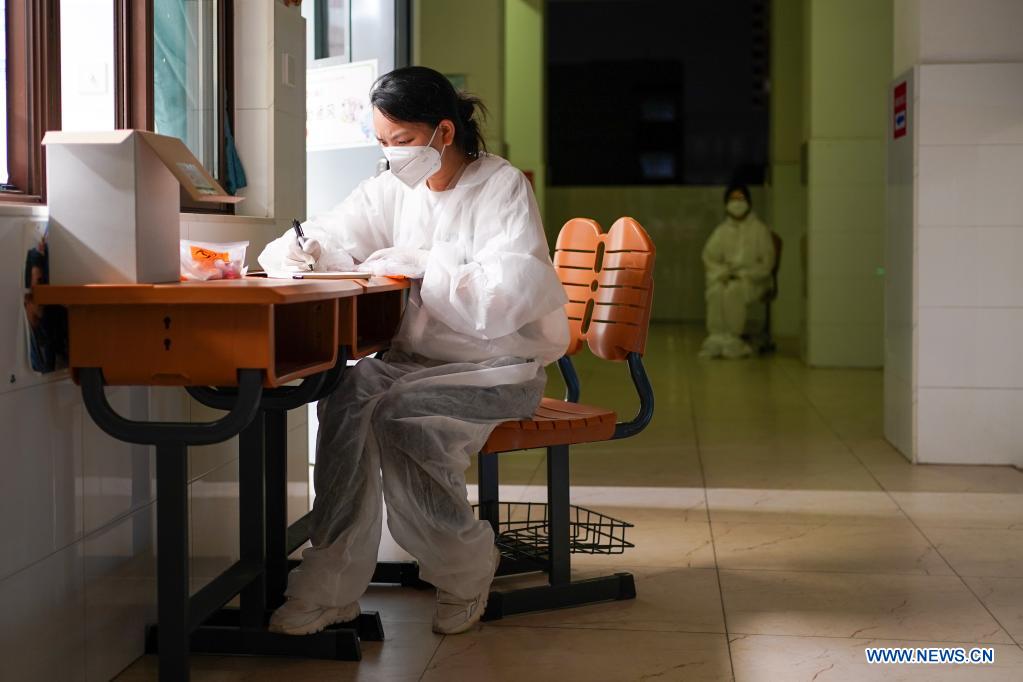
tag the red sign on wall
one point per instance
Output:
(900, 120)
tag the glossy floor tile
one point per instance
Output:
(758, 658)
(911, 607)
(553, 655)
(777, 535)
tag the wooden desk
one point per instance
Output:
(248, 337)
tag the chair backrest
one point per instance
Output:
(609, 281)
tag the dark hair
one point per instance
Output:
(739, 187)
(417, 94)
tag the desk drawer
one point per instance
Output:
(196, 345)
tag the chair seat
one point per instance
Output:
(556, 422)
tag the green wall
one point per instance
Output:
(786, 195)
(848, 62)
(524, 98)
(466, 38)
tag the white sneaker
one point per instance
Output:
(454, 615)
(299, 617)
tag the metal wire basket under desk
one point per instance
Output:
(522, 531)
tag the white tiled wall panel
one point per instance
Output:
(970, 104)
(255, 145)
(971, 266)
(290, 166)
(976, 31)
(120, 592)
(289, 40)
(117, 476)
(968, 234)
(40, 490)
(970, 185)
(42, 620)
(253, 87)
(961, 426)
(970, 348)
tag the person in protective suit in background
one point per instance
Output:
(485, 315)
(738, 259)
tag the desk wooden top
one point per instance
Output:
(250, 290)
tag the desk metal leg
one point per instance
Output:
(172, 557)
(558, 533)
(252, 508)
(276, 506)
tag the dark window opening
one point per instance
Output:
(657, 92)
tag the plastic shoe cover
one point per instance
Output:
(455, 616)
(299, 617)
(713, 346)
(737, 349)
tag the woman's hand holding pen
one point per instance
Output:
(303, 252)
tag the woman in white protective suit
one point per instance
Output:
(485, 315)
(738, 259)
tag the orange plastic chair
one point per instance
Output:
(609, 281)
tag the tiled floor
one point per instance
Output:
(777, 535)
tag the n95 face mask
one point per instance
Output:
(413, 165)
(737, 208)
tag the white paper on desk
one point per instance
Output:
(310, 274)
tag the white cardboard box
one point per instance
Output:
(114, 204)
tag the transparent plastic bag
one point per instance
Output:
(204, 261)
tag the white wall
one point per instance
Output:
(900, 277)
(967, 233)
(78, 508)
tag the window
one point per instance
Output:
(191, 84)
(162, 65)
(333, 33)
(665, 92)
(186, 88)
(87, 65)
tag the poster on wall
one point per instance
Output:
(338, 112)
(46, 335)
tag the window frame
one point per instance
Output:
(33, 95)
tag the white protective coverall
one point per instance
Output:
(738, 259)
(486, 318)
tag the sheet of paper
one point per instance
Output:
(293, 274)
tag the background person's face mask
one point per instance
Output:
(737, 208)
(414, 164)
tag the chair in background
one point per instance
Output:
(765, 340)
(609, 281)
